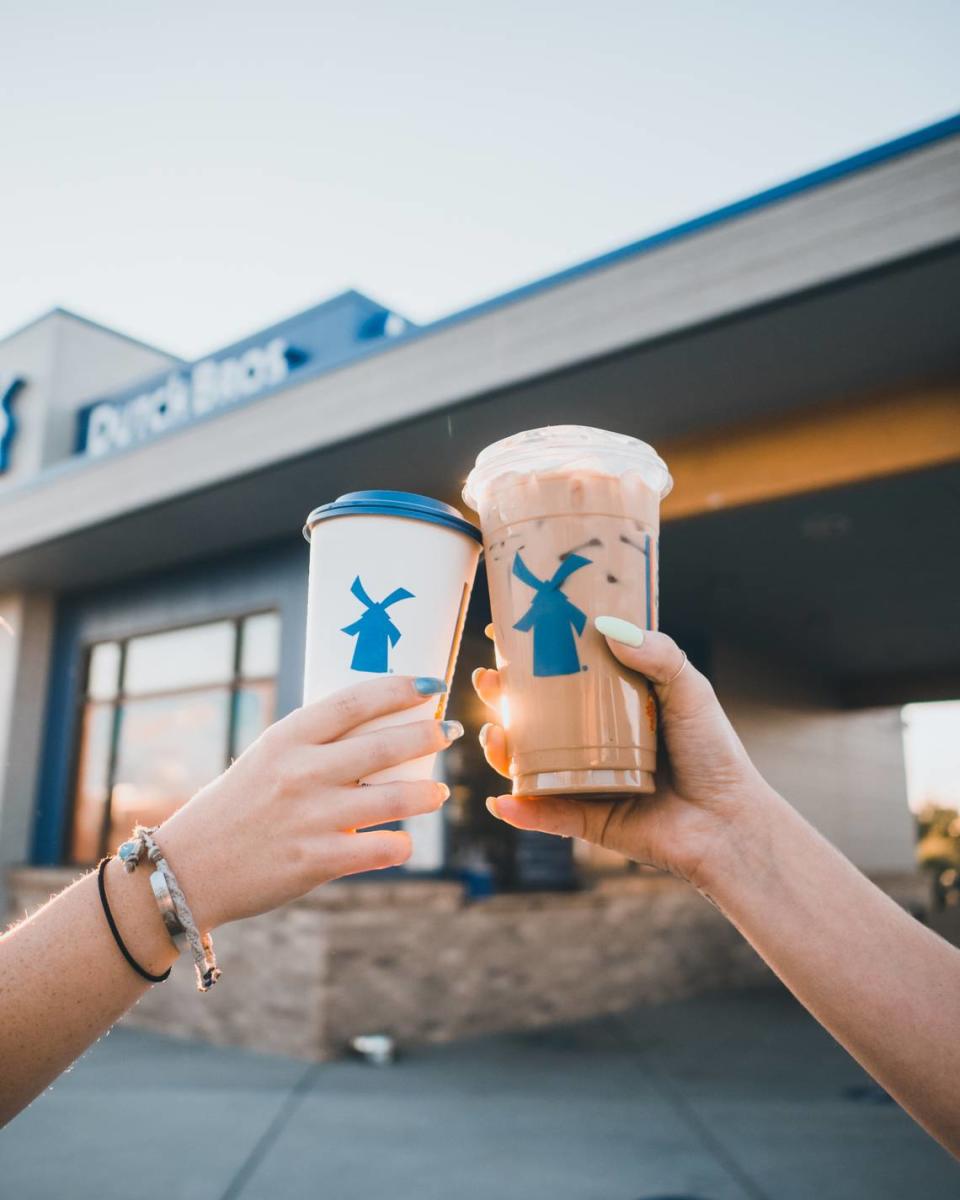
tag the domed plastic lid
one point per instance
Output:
(393, 504)
(567, 448)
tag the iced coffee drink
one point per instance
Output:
(570, 519)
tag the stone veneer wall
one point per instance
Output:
(413, 959)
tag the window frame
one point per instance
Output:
(117, 702)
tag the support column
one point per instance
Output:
(26, 642)
(842, 769)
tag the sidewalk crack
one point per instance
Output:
(709, 1140)
(292, 1102)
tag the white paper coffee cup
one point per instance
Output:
(390, 580)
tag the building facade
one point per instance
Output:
(794, 358)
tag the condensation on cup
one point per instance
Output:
(571, 519)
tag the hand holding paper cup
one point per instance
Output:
(390, 579)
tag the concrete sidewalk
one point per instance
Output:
(724, 1097)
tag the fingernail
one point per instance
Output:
(484, 734)
(426, 685)
(475, 675)
(451, 730)
(488, 630)
(492, 806)
(445, 790)
(621, 631)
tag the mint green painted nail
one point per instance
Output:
(621, 631)
(451, 730)
(426, 685)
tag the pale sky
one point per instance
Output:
(192, 172)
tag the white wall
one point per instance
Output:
(30, 355)
(26, 639)
(90, 362)
(64, 362)
(844, 770)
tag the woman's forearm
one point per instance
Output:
(63, 979)
(64, 982)
(886, 987)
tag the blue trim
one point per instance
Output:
(393, 504)
(930, 134)
(52, 809)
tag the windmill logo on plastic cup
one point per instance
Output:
(553, 617)
(374, 629)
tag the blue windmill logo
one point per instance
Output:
(553, 617)
(374, 630)
(9, 386)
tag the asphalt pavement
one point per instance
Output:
(735, 1096)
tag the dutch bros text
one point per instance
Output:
(184, 396)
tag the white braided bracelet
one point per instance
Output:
(174, 909)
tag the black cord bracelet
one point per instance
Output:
(116, 932)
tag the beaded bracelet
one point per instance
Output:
(174, 909)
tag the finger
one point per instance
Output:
(337, 854)
(361, 755)
(328, 719)
(658, 657)
(486, 683)
(361, 807)
(558, 815)
(488, 631)
(494, 743)
(605, 823)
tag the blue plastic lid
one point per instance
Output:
(393, 504)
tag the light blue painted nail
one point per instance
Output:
(621, 631)
(426, 685)
(451, 730)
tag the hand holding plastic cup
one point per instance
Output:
(571, 518)
(390, 580)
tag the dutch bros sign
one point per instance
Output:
(323, 337)
(9, 385)
(184, 396)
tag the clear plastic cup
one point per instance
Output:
(570, 518)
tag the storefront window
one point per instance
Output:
(180, 659)
(162, 715)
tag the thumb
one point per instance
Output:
(680, 687)
(545, 814)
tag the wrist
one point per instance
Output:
(743, 852)
(138, 918)
(180, 849)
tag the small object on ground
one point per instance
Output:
(377, 1048)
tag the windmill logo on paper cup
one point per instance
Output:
(374, 629)
(553, 617)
